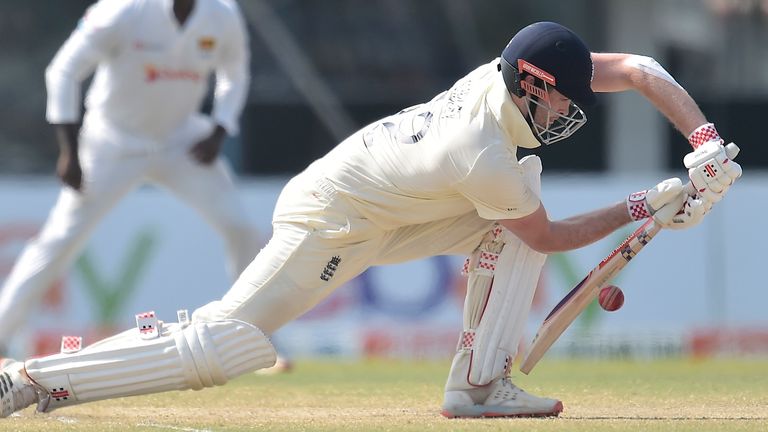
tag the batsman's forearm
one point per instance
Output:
(617, 72)
(674, 102)
(651, 80)
(578, 231)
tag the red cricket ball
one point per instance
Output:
(611, 298)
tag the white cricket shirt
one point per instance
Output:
(439, 159)
(151, 73)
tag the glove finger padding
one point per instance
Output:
(644, 204)
(713, 177)
(732, 170)
(664, 215)
(691, 214)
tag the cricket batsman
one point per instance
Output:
(438, 178)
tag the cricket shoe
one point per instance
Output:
(16, 391)
(500, 399)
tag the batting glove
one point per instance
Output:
(710, 168)
(691, 214)
(644, 204)
(711, 171)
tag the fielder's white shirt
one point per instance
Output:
(151, 73)
(444, 158)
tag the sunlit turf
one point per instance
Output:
(385, 395)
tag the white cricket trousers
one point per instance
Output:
(319, 242)
(113, 164)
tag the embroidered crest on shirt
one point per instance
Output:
(206, 43)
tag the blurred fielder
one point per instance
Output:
(153, 59)
(438, 178)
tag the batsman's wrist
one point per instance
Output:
(703, 134)
(637, 206)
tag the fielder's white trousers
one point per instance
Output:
(113, 164)
(319, 242)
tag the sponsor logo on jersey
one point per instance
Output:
(153, 74)
(330, 268)
(206, 43)
(140, 45)
(455, 100)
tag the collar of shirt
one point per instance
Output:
(168, 8)
(508, 116)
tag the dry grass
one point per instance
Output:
(680, 395)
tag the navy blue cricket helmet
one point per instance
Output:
(555, 50)
(557, 58)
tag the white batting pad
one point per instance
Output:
(199, 355)
(499, 296)
(506, 311)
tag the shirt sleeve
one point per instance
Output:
(232, 77)
(94, 39)
(497, 187)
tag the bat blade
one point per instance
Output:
(566, 311)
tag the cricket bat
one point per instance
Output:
(565, 312)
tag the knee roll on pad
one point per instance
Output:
(202, 354)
